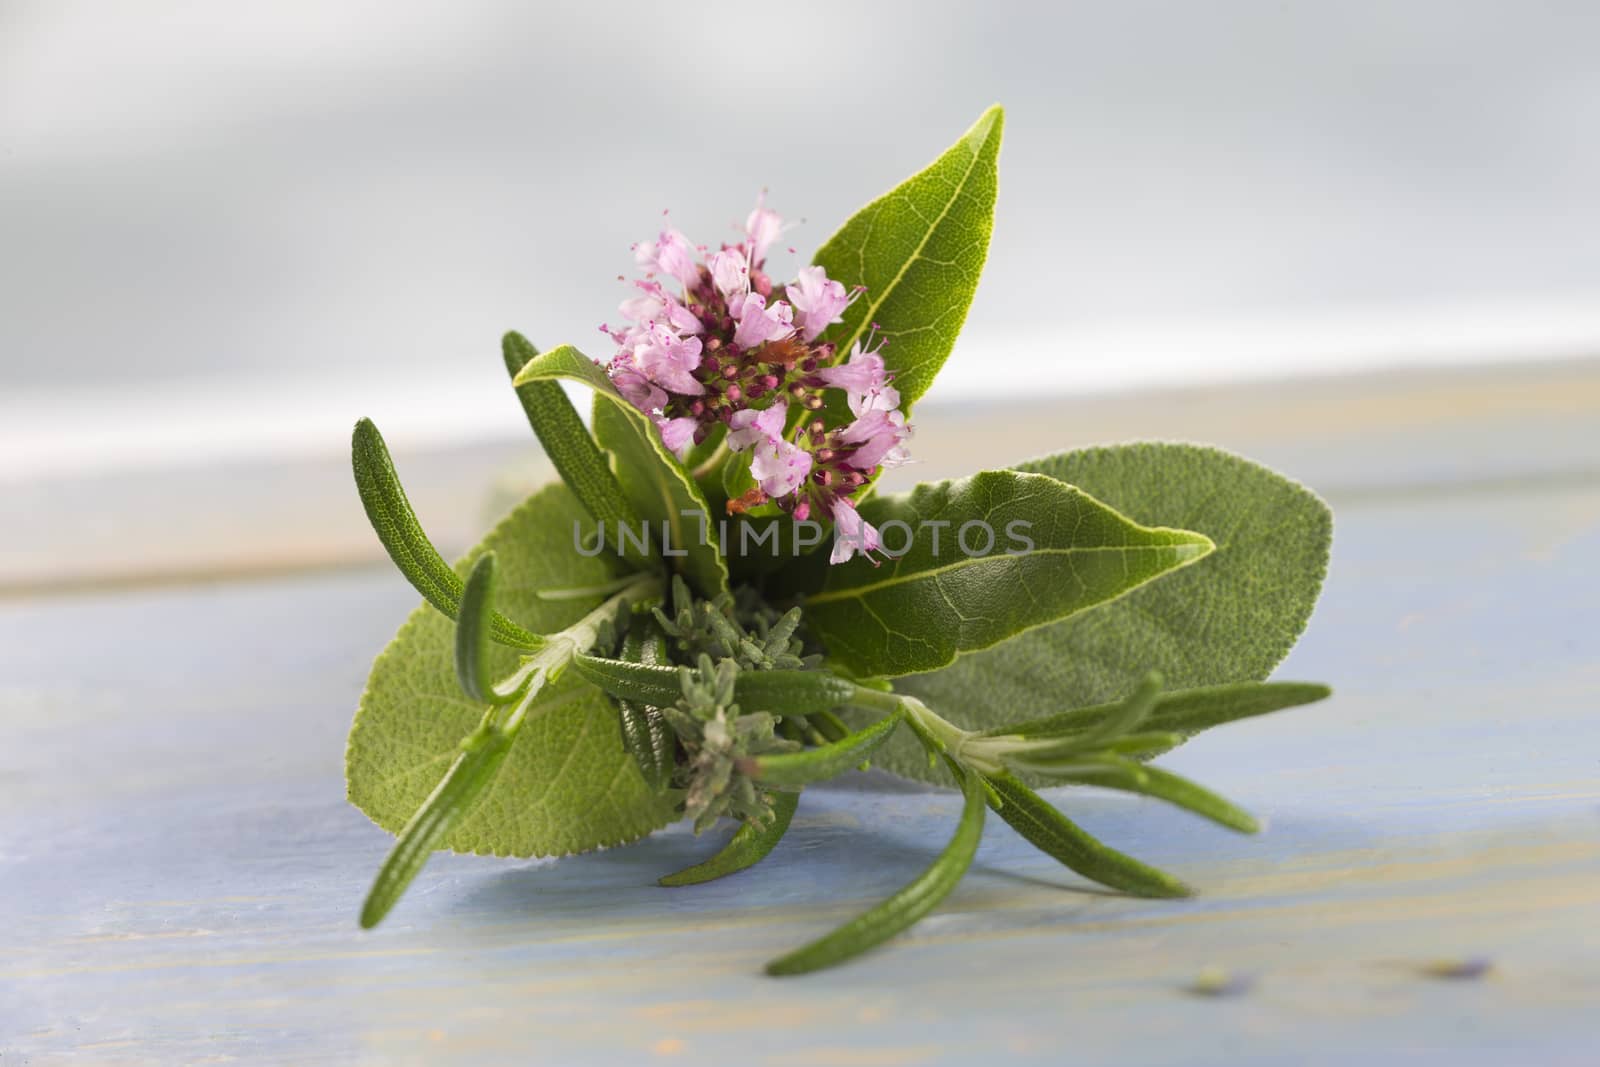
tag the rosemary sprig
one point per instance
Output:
(748, 846)
(905, 907)
(645, 733)
(395, 523)
(1069, 844)
(483, 752)
(825, 761)
(451, 801)
(567, 443)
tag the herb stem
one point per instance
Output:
(550, 662)
(940, 734)
(481, 753)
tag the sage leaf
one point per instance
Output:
(749, 846)
(390, 514)
(661, 491)
(567, 784)
(468, 776)
(910, 904)
(1063, 840)
(991, 556)
(566, 441)
(790, 769)
(1229, 618)
(919, 249)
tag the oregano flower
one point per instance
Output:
(713, 345)
(712, 683)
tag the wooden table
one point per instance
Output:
(179, 872)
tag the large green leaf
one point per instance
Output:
(567, 784)
(1232, 617)
(990, 556)
(657, 485)
(919, 249)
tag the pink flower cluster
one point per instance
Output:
(713, 346)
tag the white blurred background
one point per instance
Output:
(226, 229)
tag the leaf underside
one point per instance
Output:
(662, 491)
(567, 784)
(657, 486)
(1231, 617)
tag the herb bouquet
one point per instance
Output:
(713, 609)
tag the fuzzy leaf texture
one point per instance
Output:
(655, 483)
(567, 784)
(921, 610)
(919, 249)
(1230, 618)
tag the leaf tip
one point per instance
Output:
(517, 350)
(785, 967)
(990, 124)
(1197, 546)
(531, 372)
(372, 911)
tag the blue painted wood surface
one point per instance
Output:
(179, 873)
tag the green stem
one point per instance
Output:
(584, 592)
(942, 735)
(551, 661)
(484, 750)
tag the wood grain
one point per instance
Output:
(181, 874)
